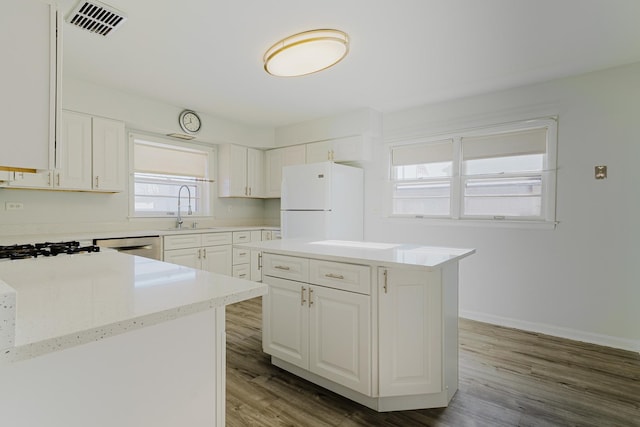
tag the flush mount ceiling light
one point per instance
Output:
(306, 53)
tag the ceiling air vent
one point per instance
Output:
(96, 17)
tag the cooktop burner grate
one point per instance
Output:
(45, 249)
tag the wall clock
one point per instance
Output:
(190, 122)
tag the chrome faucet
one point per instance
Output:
(189, 212)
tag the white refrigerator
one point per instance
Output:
(322, 201)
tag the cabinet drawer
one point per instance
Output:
(241, 256)
(182, 241)
(242, 271)
(241, 236)
(286, 267)
(339, 275)
(214, 239)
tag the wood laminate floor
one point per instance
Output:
(507, 378)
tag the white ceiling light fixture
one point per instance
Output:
(306, 53)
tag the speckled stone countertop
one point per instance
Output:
(64, 301)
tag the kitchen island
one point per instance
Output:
(374, 322)
(106, 339)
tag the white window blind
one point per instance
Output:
(163, 159)
(532, 141)
(160, 169)
(441, 151)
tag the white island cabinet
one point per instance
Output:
(109, 339)
(375, 322)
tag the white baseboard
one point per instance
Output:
(572, 334)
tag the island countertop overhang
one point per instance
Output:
(403, 254)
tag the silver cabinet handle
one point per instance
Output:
(385, 286)
(259, 260)
(302, 300)
(242, 253)
(242, 275)
(204, 253)
(282, 267)
(334, 276)
(58, 178)
(310, 297)
(97, 181)
(199, 253)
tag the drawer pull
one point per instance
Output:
(242, 253)
(282, 267)
(334, 276)
(242, 237)
(242, 275)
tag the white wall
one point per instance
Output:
(58, 211)
(581, 280)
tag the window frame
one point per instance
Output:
(548, 173)
(208, 188)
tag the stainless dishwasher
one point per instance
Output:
(145, 246)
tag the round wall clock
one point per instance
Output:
(190, 122)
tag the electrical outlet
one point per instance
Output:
(13, 206)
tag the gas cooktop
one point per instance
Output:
(44, 249)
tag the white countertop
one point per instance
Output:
(89, 236)
(364, 252)
(69, 300)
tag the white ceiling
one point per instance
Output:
(207, 54)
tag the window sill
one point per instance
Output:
(448, 222)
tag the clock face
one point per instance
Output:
(190, 122)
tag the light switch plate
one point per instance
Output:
(601, 172)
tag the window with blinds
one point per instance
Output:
(422, 178)
(503, 172)
(160, 169)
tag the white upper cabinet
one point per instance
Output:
(108, 159)
(356, 148)
(240, 171)
(28, 47)
(275, 160)
(73, 152)
(89, 156)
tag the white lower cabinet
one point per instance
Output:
(410, 332)
(242, 258)
(321, 329)
(210, 251)
(391, 347)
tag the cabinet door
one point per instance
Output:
(410, 331)
(217, 259)
(187, 257)
(318, 151)
(351, 149)
(32, 180)
(73, 152)
(109, 169)
(28, 48)
(255, 173)
(256, 266)
(232, 171)
(340, 337)
(285, 321)
(275, 160)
